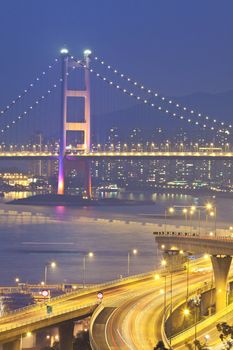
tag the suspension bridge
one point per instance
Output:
(75, 70)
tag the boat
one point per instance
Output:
(108, 188)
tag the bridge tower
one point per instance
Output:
(66, 126)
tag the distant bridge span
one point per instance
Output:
(116, 155)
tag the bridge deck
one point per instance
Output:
(116, 155)
(195, 243)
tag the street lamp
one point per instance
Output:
(191, 212)
(171, 306)
(164, 264)
(170, 210)
(208, 206)
(187, 280)
(134, 252)
(212, 212)
(186, 313)
(88, 255)
(52, 265)
(195, 303)
(185, 212)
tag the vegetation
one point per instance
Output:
(226, 335)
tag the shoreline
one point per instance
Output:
(188, 192)
(75, 201)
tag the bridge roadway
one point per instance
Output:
(207, 326)
(220, 249)
(70, 306)
(195, 243)
(132, 310)
(46, 155)
(74, 305)
(135, 322)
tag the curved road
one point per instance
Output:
(134, 321)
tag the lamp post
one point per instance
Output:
(185, 212)
(208, 207)
(191, 212)
(195, 303)
(88, 255)
(199, 222)
(187, 280)
(171, 307)
(170, 210)
(164, 263)
(52, 265)
(194, 209)
(214, 214)
(134, 252)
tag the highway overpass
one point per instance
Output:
(66, 308)
(219, 248)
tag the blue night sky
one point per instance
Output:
(178, 47)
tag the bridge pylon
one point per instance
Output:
(221, 267)
(80, 126)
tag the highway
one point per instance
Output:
(131, 316)
(134, 322)
(207, 327)
(79, 304)
(67, 307)
(64, 308)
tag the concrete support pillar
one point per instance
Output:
(174, 260)
(13, 345)
(66, 331)
(221, 266)
(207, 302)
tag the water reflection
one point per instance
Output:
(12, 301)
(33, 235)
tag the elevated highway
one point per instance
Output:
(136, 322)
(64, 309)
(132, 312)
(219, 248)
(130, 303)
(194, 243)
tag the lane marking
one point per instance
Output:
(105, 330)
(129, 346)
